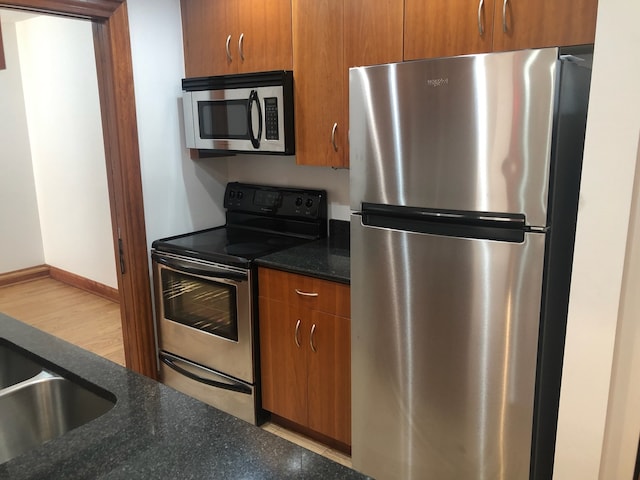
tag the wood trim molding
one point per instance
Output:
(115, 85)
(47, 271)
(85, 284)
(24, 275)
(91, 9)
(117, 98)
(3, 63)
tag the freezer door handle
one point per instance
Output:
(504, 227)
(171, 362)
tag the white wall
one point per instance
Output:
(180, 195)
(623, 418)
(63, 115)
(20, 237)
(603, 218)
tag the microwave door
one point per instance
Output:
(190, 120)
(221, 119)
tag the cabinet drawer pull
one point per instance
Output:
(296, 336)
(227, 48)
(504, 16)
(480, 26)
(333, 137)
(241, 46)
(313, 331)
(306, 294)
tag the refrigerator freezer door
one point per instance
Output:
(468, 133)
(444, 346)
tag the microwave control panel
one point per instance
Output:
(271, 118)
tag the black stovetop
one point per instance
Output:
(264, 220)
(229, 245)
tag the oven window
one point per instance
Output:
(223, 119)
(202, 304)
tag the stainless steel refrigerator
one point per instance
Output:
(464, 186)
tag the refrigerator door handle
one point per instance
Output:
(454, 223)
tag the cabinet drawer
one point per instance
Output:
(305, 292)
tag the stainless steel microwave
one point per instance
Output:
(244, 113)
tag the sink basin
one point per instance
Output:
(38, 405)
(15, 367)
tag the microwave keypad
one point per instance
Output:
(271, 118)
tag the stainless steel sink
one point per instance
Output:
(15, 367)
(40, 408)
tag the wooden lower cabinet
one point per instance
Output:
(305, 355)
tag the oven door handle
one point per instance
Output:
(234, 387)
(203, 272)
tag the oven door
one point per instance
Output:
(204, 313)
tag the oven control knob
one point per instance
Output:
(232, 194)
(240, 195)
(309, 203)
(298, 201)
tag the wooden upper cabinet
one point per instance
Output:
(442, 28)
(544, 23)
(329, 36)
(321, 132)
(205, 39)
(236, 36)
(373, 32)
(263, 37)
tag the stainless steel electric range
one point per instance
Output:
(206, 292)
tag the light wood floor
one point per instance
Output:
(79, 317)
(93, 323)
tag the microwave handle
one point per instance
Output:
(255, 140)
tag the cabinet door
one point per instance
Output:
(321, 132)
(263, 39)
(373, 34)
(206, 25)
(329, 364)
(284, 342)
(442, 28)
(544, 23)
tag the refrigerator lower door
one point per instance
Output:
(444, 347)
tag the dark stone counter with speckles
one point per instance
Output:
(152, 431)
(327, 258)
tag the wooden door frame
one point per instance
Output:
(119, 125)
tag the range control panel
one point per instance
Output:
(276, 201)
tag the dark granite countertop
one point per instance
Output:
(153, 431)
(327, 258)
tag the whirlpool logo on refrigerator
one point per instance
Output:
(437, 82)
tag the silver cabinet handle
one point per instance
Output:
(241, 46)
(504, 16)
(333, 137)
(313, 331)
(227, 48)
(306, 294)
(480, 26)
(296, 335)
